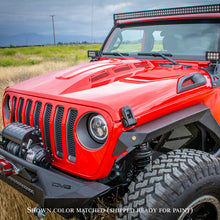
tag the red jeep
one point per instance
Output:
(142, 120)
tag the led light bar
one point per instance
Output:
(169, 11)
(212, 56)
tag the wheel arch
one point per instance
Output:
(198, 114)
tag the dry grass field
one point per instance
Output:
(15, 206)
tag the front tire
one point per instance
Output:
(182, 184)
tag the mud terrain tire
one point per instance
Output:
(182, 184)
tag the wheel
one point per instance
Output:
(182, 184)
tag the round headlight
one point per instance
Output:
(98, 128)
(92, 130)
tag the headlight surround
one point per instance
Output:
(98, 128)
(92, 130)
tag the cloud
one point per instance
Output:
(73, 17)
(112, 8)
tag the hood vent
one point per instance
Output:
(121, 69)
(98, 77)
(141, 65)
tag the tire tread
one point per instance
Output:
(183, 167)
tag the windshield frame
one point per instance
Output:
(163, 22)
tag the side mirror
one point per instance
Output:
(94, 54)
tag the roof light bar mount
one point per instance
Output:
(168, 11)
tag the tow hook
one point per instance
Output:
(39, 213)
(8, 168)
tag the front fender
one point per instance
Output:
(199, 113)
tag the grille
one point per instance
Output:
(56, 123)
(20, 107)
(28, 111)
(58, 131)
(37, 113)
(46, 123)
(70, 140)
(13, 109)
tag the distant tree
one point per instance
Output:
(12, 46)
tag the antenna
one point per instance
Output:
(92, 17)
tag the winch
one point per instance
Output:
(25, 142)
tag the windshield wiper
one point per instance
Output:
(165, 56)
(116, 54)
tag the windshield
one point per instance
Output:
(183, 41)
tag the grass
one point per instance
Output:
(19, 61)
(16, 65)
(34, 55)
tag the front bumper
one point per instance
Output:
(51, 188)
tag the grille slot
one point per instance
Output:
(13, 108)
(72, 114)
(46, 126)
(27, 112)
(20, 107)
(37, 113)
(58, 131)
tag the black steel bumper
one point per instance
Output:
(51, 188)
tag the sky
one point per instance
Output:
(90, 18)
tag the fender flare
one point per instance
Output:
(199, 113)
